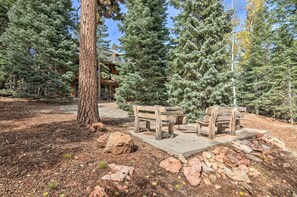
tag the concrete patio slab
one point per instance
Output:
(187, 143)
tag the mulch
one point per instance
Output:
(37, 149)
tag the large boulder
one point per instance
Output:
(171, 164)
(193, 171)
(119, 143)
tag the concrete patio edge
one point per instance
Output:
(188, 144)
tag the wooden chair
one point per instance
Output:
(160, 115)
(208, 121)
(222, 118)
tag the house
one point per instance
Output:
(108, 84)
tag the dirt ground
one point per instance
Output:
(36, 137)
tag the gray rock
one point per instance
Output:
(206, 169)
(237, 175)
(253, 158)
(245, 148)
(182, 159)
(265, 147)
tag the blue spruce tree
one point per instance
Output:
(142, 78)
(199, 71)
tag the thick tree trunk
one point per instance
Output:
(88, 92)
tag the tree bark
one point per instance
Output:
(88, 85)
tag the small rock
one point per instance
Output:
(212, 178)
(256, 146)
(237, 175)
(98, 192)
(243, 168)
(218, 186)
(224, 150)
(182, 159)
(216, 151)
(98, 126)
(286, 165)
(215, 166)
(244, 162)
(221, 171)
(245, 148)
(207, 155)
(270, 157)
(265, 147)
(254, 158)
(219, 158)
(118, 173)
(171, 164)
(119, 143)
(282, 155)
(206, 169)
(207, 181)
(248, 187)
(278, 143)
(193, 172)
(208, 163)
(240, 155)
(122, 187)
(254, 173)
(231, 160)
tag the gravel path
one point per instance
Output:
(106, 110)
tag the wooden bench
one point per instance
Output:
(222, 118)
(160, 115)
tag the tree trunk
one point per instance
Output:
(88, 92)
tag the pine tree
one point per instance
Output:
(142, 78)
(88, 77)
(4, 8)
(199, 73)
(103, 44)
(283, 75)
(39, 51)
(253, 85)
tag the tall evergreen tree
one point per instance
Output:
(200, 67)
(142, 78)
(39, 51)
(254, 84)
(5, 5)
(283, 75)
(4, 8)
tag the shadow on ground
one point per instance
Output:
(39, 147)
